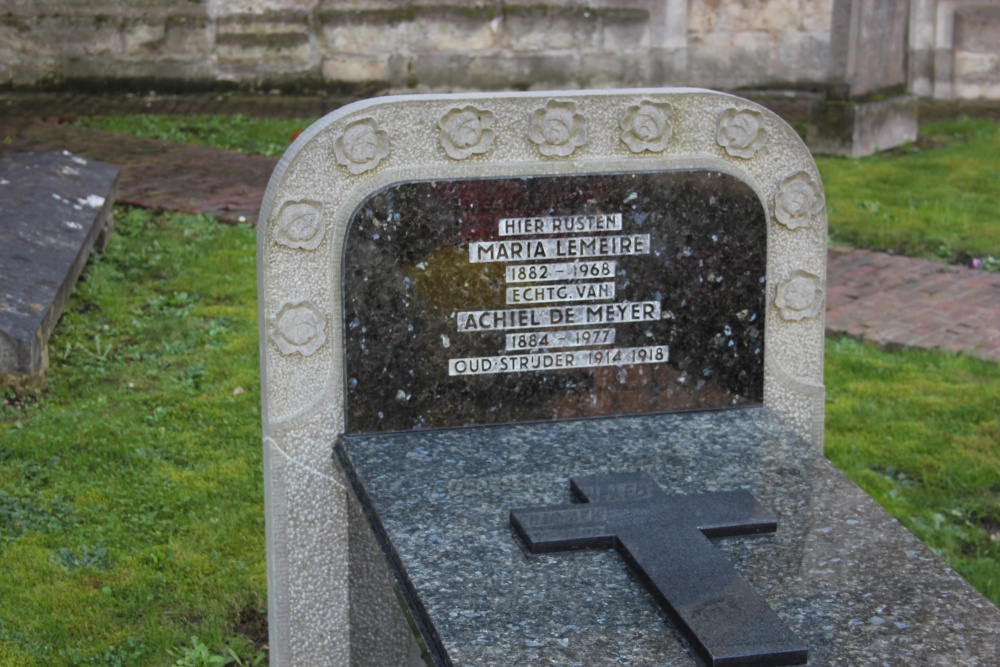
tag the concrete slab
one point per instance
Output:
(857, 129)
(55, 207)
(163, 175)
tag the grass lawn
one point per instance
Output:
(131, 504)
(941, 201)
(920, 432)
(260, 136)
(131, 507)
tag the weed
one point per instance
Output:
(132, 653)
(97, 352)
(176, 303)
(193, 375)
(13, 406)
(944, 251)
(988, 263)
(95, 556)
(198, 655)
(25, 514)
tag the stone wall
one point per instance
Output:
(976, 70)
(955, 49)
(503, 44)
(431, 44)
(759, 43)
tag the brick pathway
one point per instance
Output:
(158, 174)
(888, 299)
(906, 302)
(162, 175)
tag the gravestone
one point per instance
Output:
(55, 207)
(477, 302)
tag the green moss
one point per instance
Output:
(184, 21)
(412, 80)
(406, 12)
(267, 40)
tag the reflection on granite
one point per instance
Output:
(414, 274)
(849, 581)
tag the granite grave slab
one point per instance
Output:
(471, 300)
(55, 207)
(848, 581)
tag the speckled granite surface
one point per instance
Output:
(850, 582)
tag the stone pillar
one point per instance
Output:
(954, 49)
(868, 47)
(668, 37)
(920, 63)
(865, 109)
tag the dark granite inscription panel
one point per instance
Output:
(505, 300)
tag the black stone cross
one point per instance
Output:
(665, 538)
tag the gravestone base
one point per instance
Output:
(852, 584)
(381, 632)
(55, 208)
(856, 129)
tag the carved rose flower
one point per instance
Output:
(300, 225)
(299, 328)
(797, 200)
(558, 129)
(742, 132)
(362, 146)
(466, 132)
(645, 126)
(800, 297)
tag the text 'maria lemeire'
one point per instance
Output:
(581, 272)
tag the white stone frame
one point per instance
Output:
(362, 147)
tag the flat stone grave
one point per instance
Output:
(549, 366)
(55, 207)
